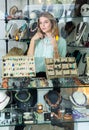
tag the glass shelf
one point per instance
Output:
(37, 83)
(16, 117)
(78, 47)
(24, 18)
(28, 18)
(80, 120)
(22, 40)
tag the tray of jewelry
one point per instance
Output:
(18, 66)
(61, 67)
(87, 61)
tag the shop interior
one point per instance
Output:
(25, 98)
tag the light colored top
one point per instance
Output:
(44, 49)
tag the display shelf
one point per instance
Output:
(63, 17)
(14, 40)
(42, 83)
(83, 48)
(13, 116)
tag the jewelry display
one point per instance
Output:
(18, 66)
(61, 67)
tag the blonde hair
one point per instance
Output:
(55, 30)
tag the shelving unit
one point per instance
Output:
(16, 116)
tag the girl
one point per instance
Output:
(46, 43)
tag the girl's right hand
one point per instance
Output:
(31, 49)
(37, 36)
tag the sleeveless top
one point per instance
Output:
(44, 49)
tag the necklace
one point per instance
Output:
(22, 100)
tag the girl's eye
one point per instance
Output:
(43, 22)
(46, 21)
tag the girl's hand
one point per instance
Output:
(31, 49)
(37, 36)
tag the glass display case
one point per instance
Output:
(18, 21)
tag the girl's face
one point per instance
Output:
(45, 25)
